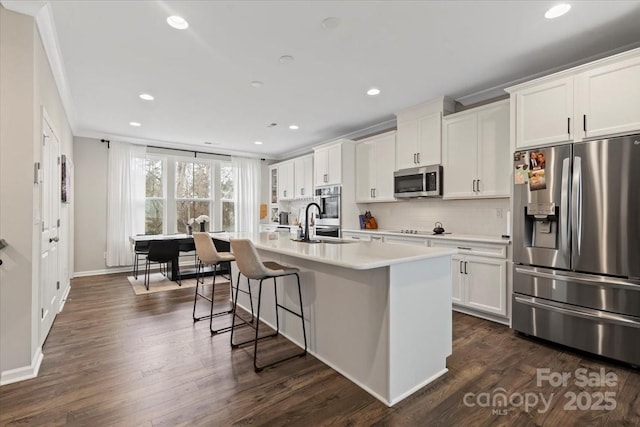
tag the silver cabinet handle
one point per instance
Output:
(371, 192)
(478, 185)
(460, 267)
(474, 185)
(579, 278)
(465, 248)
(374, 193)
(418, 158)
(414, 158)
(465, 267)
(355, 237)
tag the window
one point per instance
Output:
(193, 192)
(178, 189)
(227, 197)
(155, 196)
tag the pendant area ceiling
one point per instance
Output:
(413, 51)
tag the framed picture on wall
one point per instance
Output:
(65, 181)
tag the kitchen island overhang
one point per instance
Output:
(378, 313)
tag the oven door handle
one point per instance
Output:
(585, 313)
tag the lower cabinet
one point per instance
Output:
(479, 283)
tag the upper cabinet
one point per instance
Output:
(419, 134)
(292, 179)
(476, 157)
(327, 162)
(375, 162)
(592, 100)
(303, 177)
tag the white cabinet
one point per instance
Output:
(406, 240)
(608, 99)
(476, 158)
(303, 177)
(592, 100)
(273, 184)
(327, 162)
(285, 181)
(479, 276)
(375, 163)
(419, 135)
(480, 283)
(543, 113)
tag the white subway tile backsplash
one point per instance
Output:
(481, 216)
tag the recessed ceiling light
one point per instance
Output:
(373, 91)
(256, 83)
(258, 142)
(147, 97)
(286, 59)
(136, 124)
(330, 23)
(178, 22)
(294, 127)
(557, 10)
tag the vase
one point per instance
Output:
(203, 226)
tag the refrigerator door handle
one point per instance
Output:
(576, 205)
(586, 313)
(564, 208)
(578, 278)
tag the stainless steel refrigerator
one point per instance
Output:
(576, 246)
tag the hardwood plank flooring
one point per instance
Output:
(116, 359)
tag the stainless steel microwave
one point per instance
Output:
(425, 181)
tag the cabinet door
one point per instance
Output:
(320, 160)
(334, 165)
(362, 237)
(383, 167)
(609, 99)
(486, 284)
(416, 241)
(307, 188)
(457, 280)
(407, 144)
(273, 184)
(543, 113)
(493, 151)
(285, 181)
(460, 156)
(365, 181)
(429, 139)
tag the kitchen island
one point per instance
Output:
(380, 314)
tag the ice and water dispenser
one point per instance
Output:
(541, 225)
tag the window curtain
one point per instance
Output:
(125, 200)
(247, 187)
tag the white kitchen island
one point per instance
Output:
(380, 314)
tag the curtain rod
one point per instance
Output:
(195, 153)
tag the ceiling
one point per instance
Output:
(413, 51)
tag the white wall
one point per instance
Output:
(481, 216)
(26, 86)
(90, 210)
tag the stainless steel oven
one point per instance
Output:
(329, 201)
(328, 230)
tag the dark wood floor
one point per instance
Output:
(113, 358)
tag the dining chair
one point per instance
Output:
(250, 265)
(162, 252)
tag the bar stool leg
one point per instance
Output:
(234, 308)
(304, 329)
(255, 343)
(275, 293)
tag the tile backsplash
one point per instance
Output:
(481, 216)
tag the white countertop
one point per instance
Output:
(453, 236)
(354, 255)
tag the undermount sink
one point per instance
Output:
(331, 241)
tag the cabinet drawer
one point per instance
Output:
(472, 248)
(406, 240)
(362, 237)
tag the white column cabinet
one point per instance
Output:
(476, 157)
(375, 162)
(589, 101)
(303, 177)
(419, 136)
(457, 280)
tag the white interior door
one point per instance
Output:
(49, 183)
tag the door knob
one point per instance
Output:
(55, 239)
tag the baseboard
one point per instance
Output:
(64, 297)
(24, 373)
(494, 318)
(103, 271)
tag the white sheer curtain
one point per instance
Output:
(125, 200)
(247, 186)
